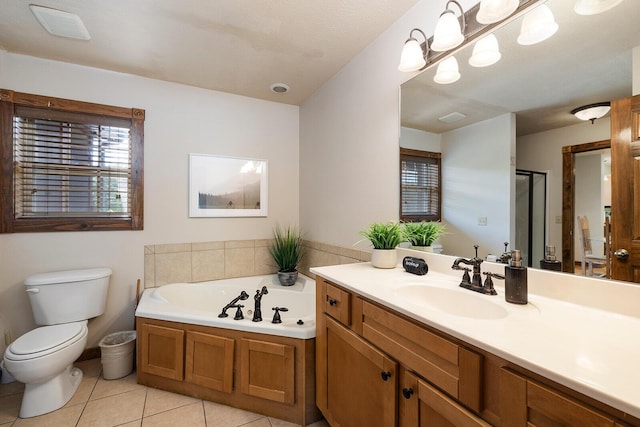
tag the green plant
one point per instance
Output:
(384, 235)
(287, 249)
(423, 233)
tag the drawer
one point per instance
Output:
(449, 366)
(337, 303)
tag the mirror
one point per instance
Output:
(517, 116)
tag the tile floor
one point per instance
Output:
(123, 402)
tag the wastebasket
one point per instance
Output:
(117, 354)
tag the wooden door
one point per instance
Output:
(361, 381)
(625, 189)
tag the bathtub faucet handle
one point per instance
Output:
(276, 315)
(243, 296)
(239, 315)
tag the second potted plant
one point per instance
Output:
(422, 234)
(384, 237)
(287, 253)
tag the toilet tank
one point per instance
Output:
(68, 296)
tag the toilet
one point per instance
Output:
(42, 359)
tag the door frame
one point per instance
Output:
(569, 198)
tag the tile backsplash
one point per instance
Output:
(200, 261)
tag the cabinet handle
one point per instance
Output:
(385, 375)
(407, 393)
(332, 302)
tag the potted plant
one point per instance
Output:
(287, 253)
(384, 237)
(422, 234)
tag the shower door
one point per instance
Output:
(531, 208)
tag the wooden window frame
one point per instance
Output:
(408, 153)
(9, 100)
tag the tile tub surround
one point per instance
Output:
(123, 402)
(202, 261)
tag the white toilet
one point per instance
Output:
(43, 358)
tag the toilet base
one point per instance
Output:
(45, 397)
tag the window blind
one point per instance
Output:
(420, 187)
(68, 165)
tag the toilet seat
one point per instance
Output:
(45, 340)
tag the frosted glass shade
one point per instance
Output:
(485, 52)
(495, 10)
(447, 71)
(537, 25)
(592, 7)
(412, 57)
(592, 111)
(448, 33)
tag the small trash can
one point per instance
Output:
(117, 354)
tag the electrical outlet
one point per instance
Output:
(482, 220)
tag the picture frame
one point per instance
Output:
(222, 186)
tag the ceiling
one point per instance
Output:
(588, 60)
(235, 46)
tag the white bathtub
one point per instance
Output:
(201, 303)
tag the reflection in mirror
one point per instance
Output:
(515, 114)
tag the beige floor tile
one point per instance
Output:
(136, 423)
(64, 417)
(105, 388)
(161, 401)
(10, 407)
(225, 416)
(190, 415)
(11, 388)
(82, 394)
(262, 422)
(114, 410)
(90, 368)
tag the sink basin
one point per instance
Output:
(453, 301)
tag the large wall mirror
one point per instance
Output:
(500, 122)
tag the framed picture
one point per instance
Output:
(227, 186)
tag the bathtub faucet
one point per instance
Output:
(257, 312)
(243, 296)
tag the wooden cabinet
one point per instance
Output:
(209, 361)
(161, 351)
(268, 370)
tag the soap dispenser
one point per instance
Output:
(515, 279)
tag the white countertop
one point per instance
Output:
(584, 346)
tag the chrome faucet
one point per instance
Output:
(257, 311)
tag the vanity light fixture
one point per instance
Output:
(447, 71)
(495, 10)
(537, 25)
(60, 23)
(413, 56)
(485, 52)
(592, 111)
(592, 7)
(448, 33)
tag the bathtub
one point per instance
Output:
(200, 303)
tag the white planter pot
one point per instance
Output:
(384, 258)
(422, 248)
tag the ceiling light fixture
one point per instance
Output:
(592, 111)
(495, 10)
(447, 71)
(280, 88)
(448, 33)
(414, 56)
(537, 25)
(485, 52)
(60, 23)
(592, 7)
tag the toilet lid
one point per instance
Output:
(46, 338)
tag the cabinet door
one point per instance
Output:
(423, 405)
(361, 381)
(162, 351)
(529, 404)
(267, 370)
(209, 361)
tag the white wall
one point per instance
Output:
(420, 140)
(542, 152)
(179, 120)
(478, 181)
(588, 202)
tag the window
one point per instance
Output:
(69, 165)
(420, 185)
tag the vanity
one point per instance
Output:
(396, 349)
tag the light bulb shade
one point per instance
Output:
(592, 7)
(537, 25)
(495, 10)
(447, 71)
(412, 57)
(448, 33)
(592, 111)
(485, 52)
